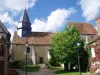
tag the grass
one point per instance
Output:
(55, 68)
(30, 68)
(67, 73)
(60, 71)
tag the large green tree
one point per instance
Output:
(64, 45)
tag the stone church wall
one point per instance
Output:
(42, 51)
(18, 53)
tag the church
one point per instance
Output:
(38, 42)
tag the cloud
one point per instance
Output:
(5, 18)
(2, 5)
(10, 8)
(91, 8)
(16, 5)
(11, 24)
(54, 21)
(96, 27)
(11, 30)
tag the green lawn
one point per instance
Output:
(30, 68)
(69, 73)
(55, 68)
(60, 71)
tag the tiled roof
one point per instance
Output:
(95, 39)
(84, 28)
(98, 18)
(3, 29)
(36, 38)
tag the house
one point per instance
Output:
(94, 47)
(4, 48)
(95, 41)
(86, 30)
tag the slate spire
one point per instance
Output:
(25, 26)
(25, 17)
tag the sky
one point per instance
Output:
(48, 15)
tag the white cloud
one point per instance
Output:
(13, 7)
(91, 8)
(2, 4)
(12, 25)
(11, 30)
(5, 18)
(54, 21)
(96, 27)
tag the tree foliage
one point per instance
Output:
(64, 46)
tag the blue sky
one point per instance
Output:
(48, 15)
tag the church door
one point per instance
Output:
(41, 60)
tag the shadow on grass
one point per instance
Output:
(62, 72)
(55, 68)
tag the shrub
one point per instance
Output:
(97, 72)
(48, 65)
(94, 67)
(23, 62)
(30, 68)
(14, 64)
(53, 62)
(12, 72)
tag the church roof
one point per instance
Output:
(35, 38)
(3, 29)
(84, 28)
(25, 17)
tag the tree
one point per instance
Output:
(64, 46)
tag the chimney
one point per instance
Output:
(98, 25)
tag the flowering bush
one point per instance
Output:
(94, 66)
(97, 72)
(12, 72)
(93, 59)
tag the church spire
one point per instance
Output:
(25, 26)
(25, 17)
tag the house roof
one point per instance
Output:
(3, 29)
(36, 38)
(94, 39)
(97, 18)
(84, 28)
(3, 40)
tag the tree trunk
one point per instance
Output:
(66, 66)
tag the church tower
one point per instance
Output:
(24, 28)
